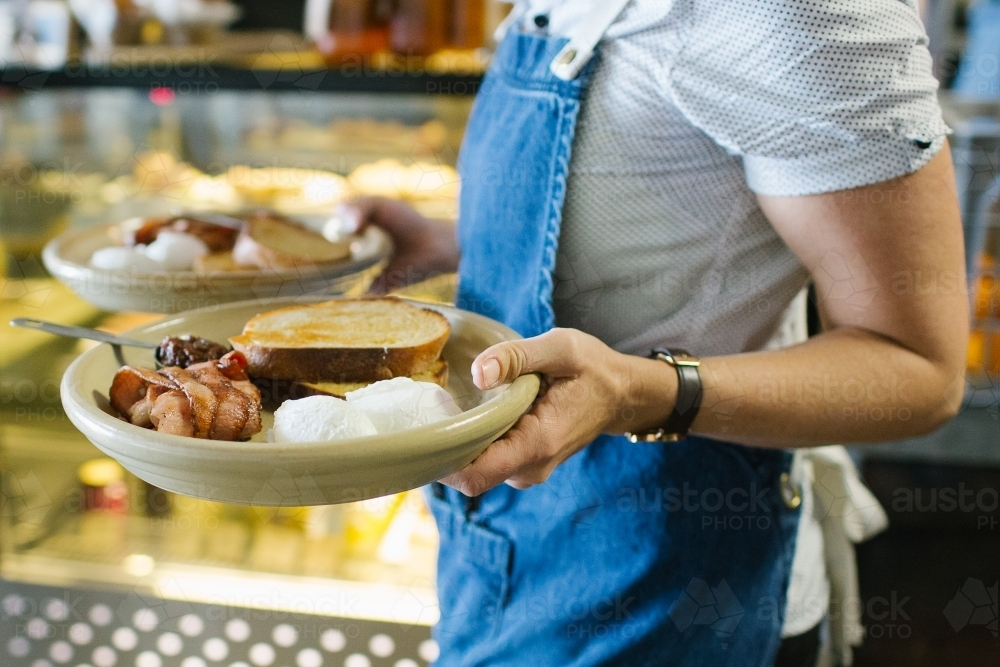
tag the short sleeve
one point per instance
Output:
(814, 95)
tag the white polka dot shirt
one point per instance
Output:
(694, 106)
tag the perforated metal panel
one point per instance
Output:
(52, 627)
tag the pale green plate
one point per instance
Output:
(67, 258)
(314, 473)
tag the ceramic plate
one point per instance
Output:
(67, 258)
(282, 474)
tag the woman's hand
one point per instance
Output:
(424, 248)
(587, 389)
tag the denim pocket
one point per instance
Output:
(473, 580)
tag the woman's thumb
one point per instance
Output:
(552, 354)
(497, 365)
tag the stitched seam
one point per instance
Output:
(560, 168)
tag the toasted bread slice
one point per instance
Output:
(269, 241)
(437, 373)
(344, 340)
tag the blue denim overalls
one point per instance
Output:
(631, 554)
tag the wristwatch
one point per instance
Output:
(688, 401)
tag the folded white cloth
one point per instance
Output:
(848, 514)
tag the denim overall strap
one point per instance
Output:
(643, 554)
(513, 165)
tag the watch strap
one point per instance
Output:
(689, 393)
(686, 403)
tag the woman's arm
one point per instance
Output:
(888, 264)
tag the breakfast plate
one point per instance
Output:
(67, 258)
(258, 472)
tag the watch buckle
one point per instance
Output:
(659, 435)
(679, 358)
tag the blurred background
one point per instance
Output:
(111, 109)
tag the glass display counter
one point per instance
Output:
(349, 584)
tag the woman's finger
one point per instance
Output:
(357, 213)
(395, 216)
(554, 353)
(353, 218)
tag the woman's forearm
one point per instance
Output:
(890, 363)
(846, 385)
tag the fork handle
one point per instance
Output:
(79, 332)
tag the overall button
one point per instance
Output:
(542, 20)
(791, 493)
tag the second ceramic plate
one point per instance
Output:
(67, 258)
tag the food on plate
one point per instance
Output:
(256, 240)
(171, 251)
(270, 241)
(437, 374)
(120, 258)
(348, 368)
(212, 399)
(183, 351)
(318, 418)
(216, 262)
(216, 237)
(401, 403)
(176, 251)
(165, 244)
(387, 406)
(344, 340)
